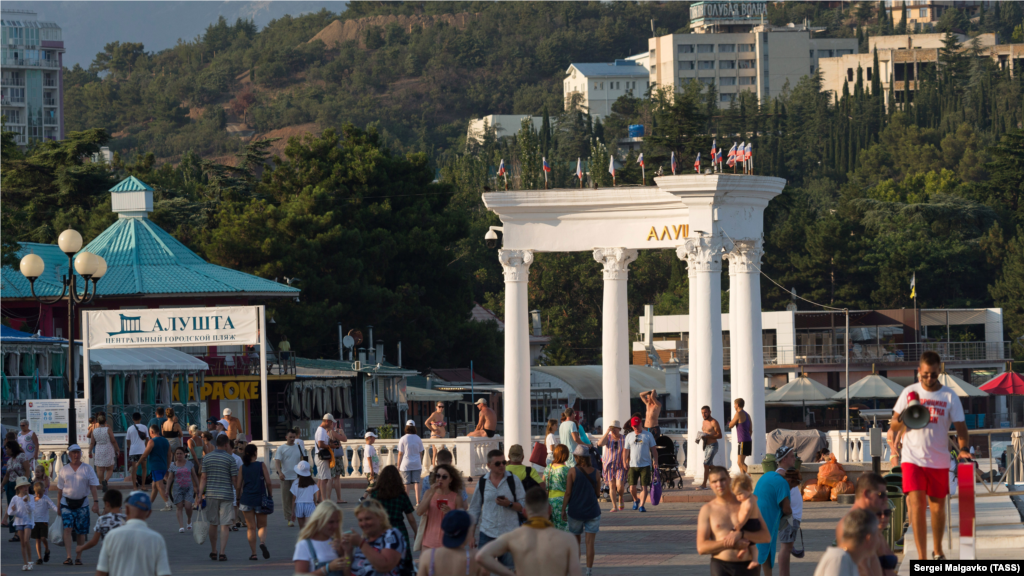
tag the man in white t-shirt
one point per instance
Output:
(925, 455)
(410, 446)
(322, 445)
(136, 438)
(285, 459)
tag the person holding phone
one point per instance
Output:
(442, 497)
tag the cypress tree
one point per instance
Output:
(545, 132)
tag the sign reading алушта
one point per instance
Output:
(160, 327)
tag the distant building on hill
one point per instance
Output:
(928, 12)
(32, 81)
(600, 84)
(503, 124)
(902, 58)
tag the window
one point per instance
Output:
(707, 81)
(686, 65)
(726, 47)
(812, 53)
(652, 54)
(849, 74)
(746, 80)
(744, 47)
(824, 53)
(654, 69)
(13, 116)
(812, 68)
(869, 73)
(726, 97)
(727, 64)
(727, 81)
(602, 85)
(844, 52)
(745, 64)
(706, 65)
(705, 48)
(923, 13)
(686, 48)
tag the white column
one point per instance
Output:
(746, 358)
(615, 332)
(516, 264)
(703, 256)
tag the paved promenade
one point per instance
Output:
(657, 543)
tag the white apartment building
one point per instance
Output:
(901, 59)
(503, 124)
(761, 61)
(31, 81)
(602, 83)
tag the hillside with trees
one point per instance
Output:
(377, 208)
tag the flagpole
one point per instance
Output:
(643, 174)
(506, 181)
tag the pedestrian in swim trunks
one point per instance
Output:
(488, 425)
(710, 432)
(716, 532)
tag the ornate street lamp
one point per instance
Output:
(91, 267)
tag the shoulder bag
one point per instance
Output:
(267, 504)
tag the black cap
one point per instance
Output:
(455, 526)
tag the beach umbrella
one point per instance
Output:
(871, 386)
(1004, 384)
(961, 388)
(802, 390)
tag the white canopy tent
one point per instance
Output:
(144, 359)
(414, 394)
(871, 386)
(802, 389)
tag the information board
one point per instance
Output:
(49, 420)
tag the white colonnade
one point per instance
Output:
(705, 218)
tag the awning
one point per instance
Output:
(144, 360)
(586, 380)
(414, 394)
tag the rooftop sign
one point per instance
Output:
(157, 327)
(728, 10)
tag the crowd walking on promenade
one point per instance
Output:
(537, 516)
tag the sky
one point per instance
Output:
(87, 26)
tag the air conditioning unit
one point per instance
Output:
(357, 366)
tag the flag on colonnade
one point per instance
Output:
(696, 165)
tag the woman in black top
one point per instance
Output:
(255, 484)
(390, 492)
(579, 506)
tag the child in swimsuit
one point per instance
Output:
(743, 489)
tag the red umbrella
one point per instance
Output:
(1004, 384)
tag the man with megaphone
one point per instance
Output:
(925, 411)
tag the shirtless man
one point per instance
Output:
(871, 495)
(436, 424)
(650, 400)
(716, 529)
(711, 431)
(537, 547)
(488, 424)
(741, 421)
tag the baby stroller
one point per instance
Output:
(668, 464)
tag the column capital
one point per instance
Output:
(745, 256)
(616, 261)
(703, 253)
(516, 264)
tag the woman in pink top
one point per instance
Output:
(442, 497)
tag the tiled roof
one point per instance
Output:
(142, 259)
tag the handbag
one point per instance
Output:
(539, 455)
(656, 489)
(200, 527)
(267, 503)
(418, 544)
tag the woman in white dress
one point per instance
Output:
(103, 449)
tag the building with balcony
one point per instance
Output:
(761, 60)
(885, 342)
(925, 13)
(31, 81)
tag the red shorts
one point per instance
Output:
(933, 481)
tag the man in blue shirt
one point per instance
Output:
(772, 493)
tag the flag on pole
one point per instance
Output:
(643, 173)
(501, 168)
(547, 167)
(913, 286)
(640, 160)
(714, 153)
(748, 158)
(579, 171)
(732, 156)
(611, 168)
(673, 163)
(696, 165)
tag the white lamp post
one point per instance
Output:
(90, 267)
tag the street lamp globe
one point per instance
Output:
(70, 241)
(101, 267)
(85, 263)
(32, 266)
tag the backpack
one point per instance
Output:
(509, 478)
(528, 481)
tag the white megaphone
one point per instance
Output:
(915, 416)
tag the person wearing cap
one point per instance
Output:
(639, 455)
(488, 424)
(324, 455)
(455, 557)
(19, 514)
(134, 549)
(515, 465)
(233, 426)
(925, 457)
(75, 483)
(286, 458)
(773, 493)
(410, 463)
(614, 464)
(371, 462)
(304, 494)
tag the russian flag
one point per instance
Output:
(611, 166)
(714, 152)
(749, 152)
(547, 167)
(732, 156)
(673, 163)
(579, 169)
(696, 165)
(501, 168)
(640, 160)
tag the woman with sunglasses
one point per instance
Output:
(436, 423)
(442, 497)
